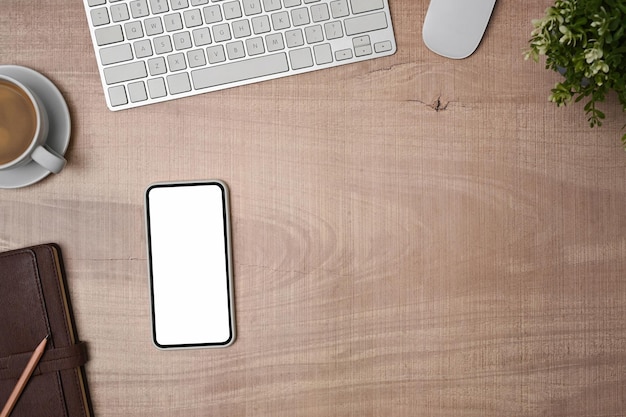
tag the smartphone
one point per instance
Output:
(190, 264)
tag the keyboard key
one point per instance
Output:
(235, 50)
(339, 8)
(241, 29)
(382, 46)
(367, 23)
(153, 26)
(137, 92)
(251, 7)
(239, 71)
(201, 36)
(143, 48)
(362, 6)
(254, 46)
(221, 32)
(159, 6)
(96, 2)
(300, 17)
(343, 54)
(196, 58)
(294, 38)
(109, 35)
(156, 66)
(138, 8)
(292, 3)
(363, 50)
(192, 18)
(314, 34)
(162, 45)
(116, 54)
(156, 88)
(125, 72)
(179, 4)
(274, 42)
(323, 54)
(173, 22)
(215, 54)
(100, 16)
(232, 10)
(212, 14)
(360, 41)
(280, 20)
(319, 12)
(182, 40)
(119, 12)
(301, 58)
(178, 83)
(117, 96)
(271, 5)
(261, 24)
(176, 62)
(333, 30)
(133, 30)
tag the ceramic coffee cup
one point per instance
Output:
(24, 128)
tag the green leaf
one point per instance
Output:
(566, 36)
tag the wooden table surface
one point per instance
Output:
(412, 235)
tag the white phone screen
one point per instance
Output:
(189, 259)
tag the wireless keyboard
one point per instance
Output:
(150, 51)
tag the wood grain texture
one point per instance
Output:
(413, 236)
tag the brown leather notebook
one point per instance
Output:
(34, 303)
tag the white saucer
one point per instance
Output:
(59, 131)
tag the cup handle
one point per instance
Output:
(48, 159)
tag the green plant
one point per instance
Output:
(585, 40)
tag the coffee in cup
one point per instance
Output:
(18, 122)
(24, 128)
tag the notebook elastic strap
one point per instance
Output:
(53, 360)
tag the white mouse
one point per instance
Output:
(454, 28)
